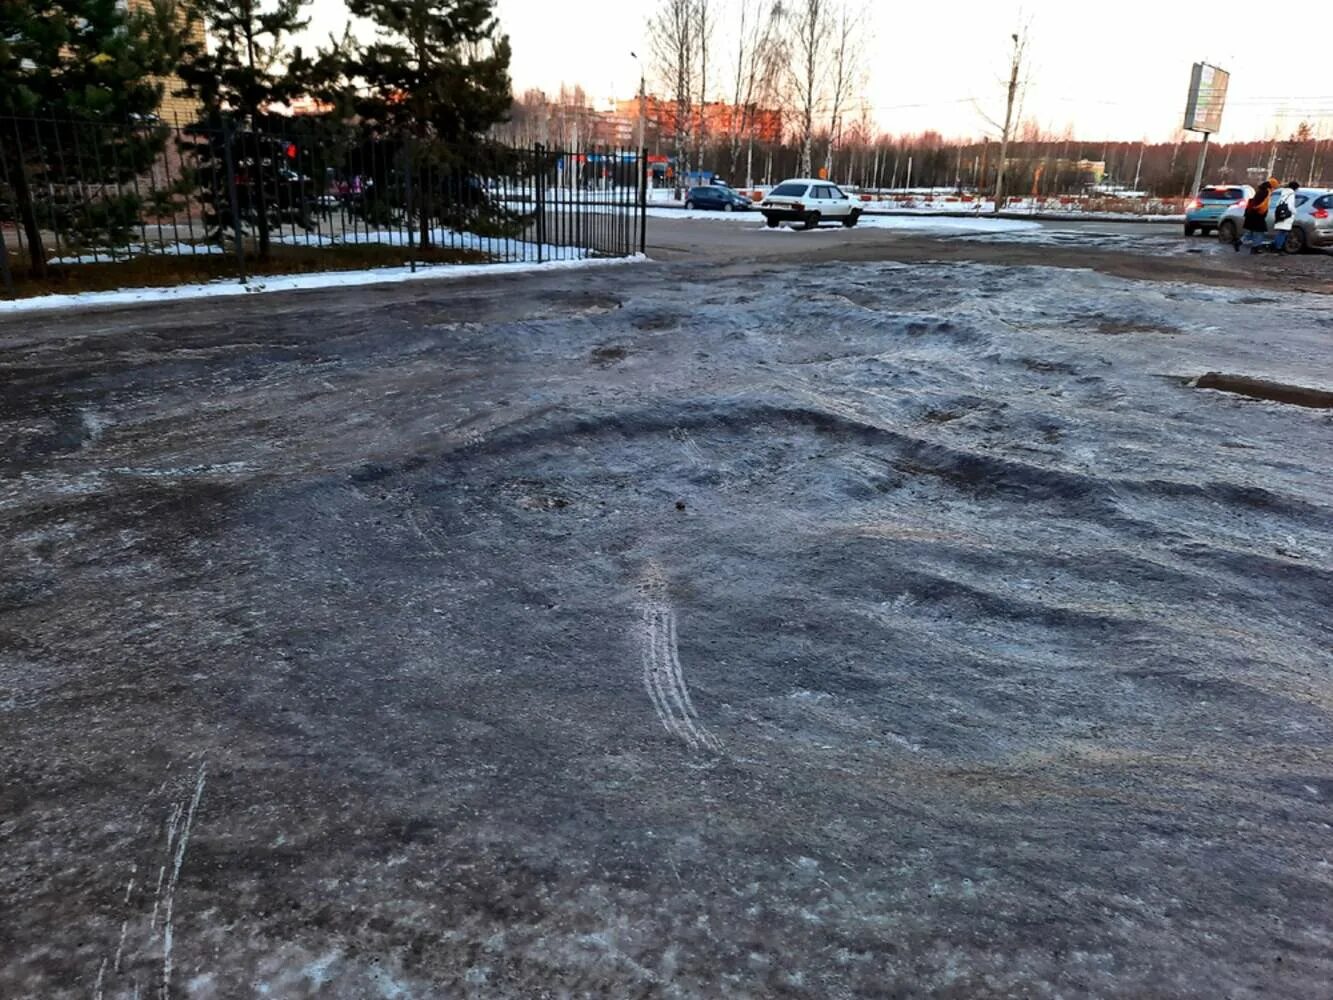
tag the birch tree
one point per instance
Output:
(811, 25)
(672, 30)
(759, 60)
(848, 73)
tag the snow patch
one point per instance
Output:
(294, 282)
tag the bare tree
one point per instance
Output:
(1020, 40)
(703, 31)
(672, 30)
(848, 74)
(759, 59)
(1015, 87)
(811, 27)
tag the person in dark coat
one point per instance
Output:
(1256, 218)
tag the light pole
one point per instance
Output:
(642, 98)
(643, 159)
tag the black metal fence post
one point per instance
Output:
(410, 168)
(539, 167)
(229, 163)
(643, 200)
(5, 273)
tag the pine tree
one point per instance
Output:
(78, 92)
(245, 71)
(438, 70)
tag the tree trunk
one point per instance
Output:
(32, 232)
(1008, 124)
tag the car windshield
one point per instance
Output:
(1221, 194)
(789, 190)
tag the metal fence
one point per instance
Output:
(297, 194)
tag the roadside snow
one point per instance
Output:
(449, 239)
(107, 255)
(515, 249)
(292, 282)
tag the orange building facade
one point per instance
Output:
(174, 109)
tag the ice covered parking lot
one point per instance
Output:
(783, 621)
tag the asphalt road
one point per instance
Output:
(673, 238)
(874, 617)
(1147, 251)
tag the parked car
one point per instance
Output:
(1312, 225)
(1209, 205)
(716, 197)
(809, 202)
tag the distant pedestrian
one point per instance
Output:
(1256, 218)
(1283, 214)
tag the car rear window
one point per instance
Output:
(1221, 194)
(1325, 202)
(789, 190)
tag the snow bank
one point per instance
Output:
(450, 239)
(293, 282)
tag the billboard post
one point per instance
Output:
(1203, 108)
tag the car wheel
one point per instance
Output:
(728, 207)
(689, 205)
(1226, 232)
(811, 220)
(1190, 229)
(770, 222)
(1297, 241)
(851, 220)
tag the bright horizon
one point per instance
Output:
(935, 72)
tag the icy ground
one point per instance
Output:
(688, 630)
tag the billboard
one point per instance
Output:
(1207, 97)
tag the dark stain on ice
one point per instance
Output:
(1266, 389)
(609, 354)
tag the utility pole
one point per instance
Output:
(643, 97)
(1014, 69)
(1138, 171)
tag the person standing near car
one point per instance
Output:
(1256, 218)
(1283, 215)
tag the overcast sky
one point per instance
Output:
(1117, 71)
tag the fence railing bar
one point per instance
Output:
(83, 191)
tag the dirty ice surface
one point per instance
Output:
(841, 630)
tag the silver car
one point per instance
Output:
(1312, 225)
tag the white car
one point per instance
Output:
(809, 202)
(1312, 225)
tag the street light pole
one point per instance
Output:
(643, 160)
(642, 98)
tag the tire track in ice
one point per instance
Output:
(178, 823)
(663, 676)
